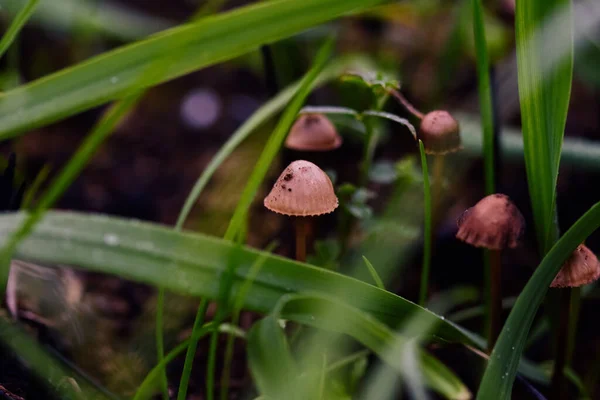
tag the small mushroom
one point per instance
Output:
(582, 267)
(440, 133)
(302, 190)
(313, 132)
(494, 223)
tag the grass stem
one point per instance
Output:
(191, 350)
(495, 279)
(427, 231)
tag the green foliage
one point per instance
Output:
(278, 375)
(17, 24)
(545, 69)
(499, 375)
(114, 74)
(191, 264)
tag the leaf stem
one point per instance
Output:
(400, 97)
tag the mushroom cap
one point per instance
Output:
(313, 132)
(302, 189)
(582, 267)
(494, 223)
(440, 133)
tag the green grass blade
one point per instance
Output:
(485, 95)
(545, 68)
(275, 142)
(17, 24)
(374, 274)
(112, 19)
(270, 360)
(500, 372)
(336, 316)
(427, 229)
(191, 264)
(211, 40)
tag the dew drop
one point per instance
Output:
(110, 239)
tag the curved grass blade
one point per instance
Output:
(211, 40)
(112, 19)
(336, 316)
(500, 372)
(142, 252)
(374, 274)
(17, 24)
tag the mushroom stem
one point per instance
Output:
(301, 232)
(438, 174)
(400, 97)
(495, 284)
(562, 339)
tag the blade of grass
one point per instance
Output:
(427, 230)
(111, 19)
(35, 187)
(544, 91)
(17, 24)
(211, 40)
(485, 95)
(139, 251)
(500, 372)
(374, 274)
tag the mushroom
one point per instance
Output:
(302, 190)
(313, 132)
(582, 267)
(440, 133)
(494, 223)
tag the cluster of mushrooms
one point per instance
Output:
(303, 190)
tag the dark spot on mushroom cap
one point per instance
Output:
(283, 186)
(312, 119)
(289, 190)
(288, 177)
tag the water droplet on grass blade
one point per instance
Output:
(110, 239)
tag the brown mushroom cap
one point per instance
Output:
(582, 267)
(313, 132)
(302, 189)
(494, 223)
(440, 133)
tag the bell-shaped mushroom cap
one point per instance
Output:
(302, 189)
(494, 223)
(582, 267)
(440, 133)
(313, 132)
